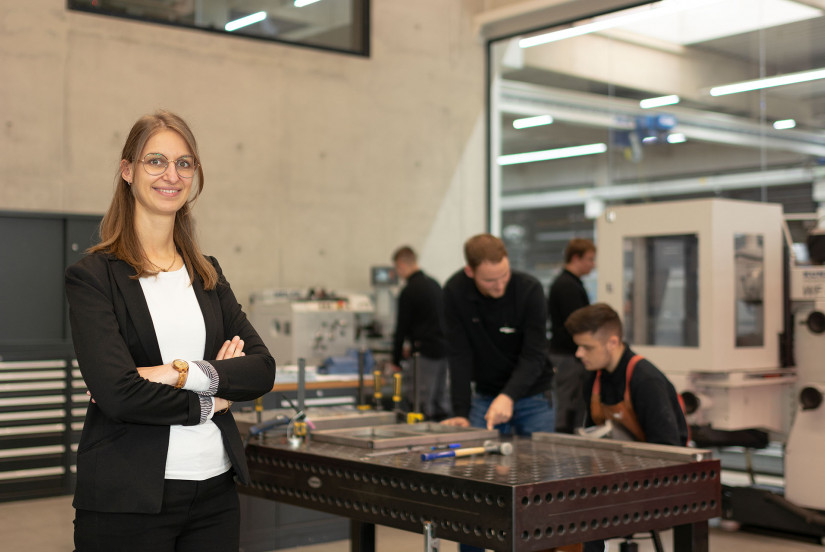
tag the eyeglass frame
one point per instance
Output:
(195, 164)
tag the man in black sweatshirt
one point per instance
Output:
(567, 294)
(420, 322)
(495, 325)
(623, 387)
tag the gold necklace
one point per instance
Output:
(160, 269)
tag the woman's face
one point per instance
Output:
(167, 191)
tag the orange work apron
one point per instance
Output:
(621, 413)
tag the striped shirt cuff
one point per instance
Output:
(207, 405)
(210, 372)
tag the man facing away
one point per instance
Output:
(567, 294)
(420, 321)
(495, 325)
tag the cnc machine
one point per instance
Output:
(700, 288)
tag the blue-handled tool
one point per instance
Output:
(489, 447)
(446, 446)
(269, 424)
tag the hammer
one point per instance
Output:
(504, 449)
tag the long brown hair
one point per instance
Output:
(118, 236)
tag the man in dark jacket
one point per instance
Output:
(495, 324)
(567, 294)
(420, 322)
(622, 386)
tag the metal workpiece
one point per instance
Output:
(544, 494)
(399, 435)
(632, 448)
(323, 418)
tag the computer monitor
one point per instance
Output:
(383, 276)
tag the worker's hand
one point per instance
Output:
(458, 421)
(231, 349)
(500, 411)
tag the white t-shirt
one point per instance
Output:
(195, 452)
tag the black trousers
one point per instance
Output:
(201, 516)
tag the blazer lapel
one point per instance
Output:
(211, 319)
(137, 308)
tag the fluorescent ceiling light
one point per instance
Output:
(302, 3)
(659, 102)
(689, 21)
(528, 122)
(784, 124)
(770, 82)
(620, 19)
(723, 18)
(245, 21)
(676, 138)
(547, 155)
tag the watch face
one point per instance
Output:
(180, 365)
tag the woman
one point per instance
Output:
(159, 447)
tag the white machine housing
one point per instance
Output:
(294, 328)
(742, 385)
(805, 447)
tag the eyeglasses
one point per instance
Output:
(157, 163)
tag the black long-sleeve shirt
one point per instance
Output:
(420, 318)
(499, 344)
(566, 294)
(653, 397)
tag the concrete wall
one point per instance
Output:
(317, 164)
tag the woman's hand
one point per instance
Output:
(165, 373)
(159, 374)
(221, 404)
(231, 349)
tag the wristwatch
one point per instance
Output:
(183, 371)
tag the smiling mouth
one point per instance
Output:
(168, 191)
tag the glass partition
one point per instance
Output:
(639, 105)
(339, 25)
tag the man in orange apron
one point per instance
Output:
(623, 387)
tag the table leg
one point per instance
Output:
(361, 536)
(692, 537)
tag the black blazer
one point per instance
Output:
(121, 458)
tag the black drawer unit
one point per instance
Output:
(42, 407)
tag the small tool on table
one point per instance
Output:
(411, 448)
(505, 449)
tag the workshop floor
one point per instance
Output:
(45, 525)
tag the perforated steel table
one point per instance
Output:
(553, 490)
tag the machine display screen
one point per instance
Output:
(384, 276)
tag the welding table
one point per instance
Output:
(553, 490)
